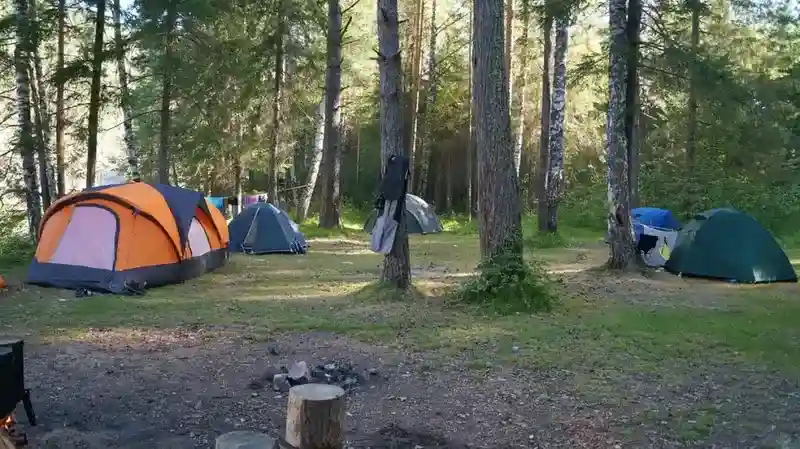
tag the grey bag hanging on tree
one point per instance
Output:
(391, 203)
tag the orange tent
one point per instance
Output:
(125, 237)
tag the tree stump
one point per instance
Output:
(245, 439)
(315, 417)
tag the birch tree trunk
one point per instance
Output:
(166, 93)
(519, 110)
(276, 105)
(396, 266)
(125, 98)
(555, 172)
(509, 42)
(619, 211)
(25, 142)
(329, 216)
(94, 101)
(544, 132)
(60, 122)
(307, 192)
(498, 188)
(40, 139)
(415, 103)
(633, 28)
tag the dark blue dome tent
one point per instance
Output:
(264, 229)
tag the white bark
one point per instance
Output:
(555, 169)
(313, 168)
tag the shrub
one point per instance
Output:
(507, 284)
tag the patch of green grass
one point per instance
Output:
(329, 289)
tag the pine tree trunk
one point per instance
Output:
(307, 191)
(691, 138)
(166, 93)
(60, 121)
(414, 103)
(619, 210)
(633, 27)
(26, 145)
(94, 101)
(329, 216)
(396, 266)
(498, 189)
(544, 136)
(276, 105)
(472, 149)
(428, 117)
(519, 110)
(125, 98)
(555, 172)
(41, 115)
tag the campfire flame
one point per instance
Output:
(7, 423)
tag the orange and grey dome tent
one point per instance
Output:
(135, 235)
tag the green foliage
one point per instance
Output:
(16, 248)
(507, 284)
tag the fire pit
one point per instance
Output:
(12, 392)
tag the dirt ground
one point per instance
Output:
(182, 387)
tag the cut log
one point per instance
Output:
(245, 439)
(315, 417)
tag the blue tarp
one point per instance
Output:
(653, 217)
(217, 201)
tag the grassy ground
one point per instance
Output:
(619, 339)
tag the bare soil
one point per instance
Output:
(182, 389)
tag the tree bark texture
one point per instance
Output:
(40, 139)
(619, 210)
(329, 216)
(544, 132)
(509, 43)
(166, 93)
(396, 265)
(522, 77)
(307, 191)
(633, 27)
(276, 105)
(60, 119)
(498, 188)
(125, 97)
(25, 142)
(94, 101)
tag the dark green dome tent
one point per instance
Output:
(420, 217)
(730, 245)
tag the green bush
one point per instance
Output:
(16, 248)
(506, 284)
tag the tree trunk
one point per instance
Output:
(519, 110)
(472, 148)
(276, 106)
(396, 266)
(329, 211)
(428, 117)
(166, 93)
(414, 103)
(125, 98)
(633, 28)
(60, 122)
(94, 102)
(691, 137)
(555, 172)
(509, 43)
(619, 210)
(25, 143)
(544, 132)
(313, 171)
(498, 189)
(41, 114)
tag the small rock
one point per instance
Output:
(254, 394)
(349, 382)
(299, 374)
(330, 367)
